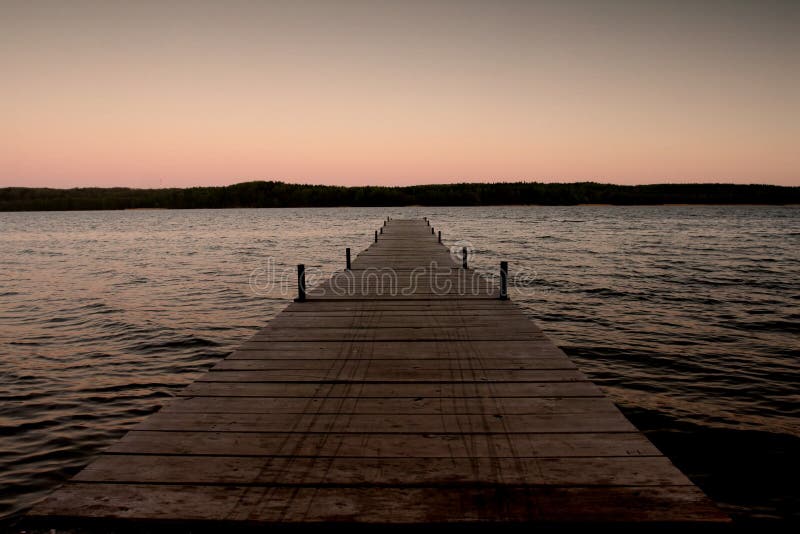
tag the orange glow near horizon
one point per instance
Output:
(205, 93)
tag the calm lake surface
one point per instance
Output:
(688, 317)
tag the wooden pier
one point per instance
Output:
(401, 392)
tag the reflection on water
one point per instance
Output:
(687, 316)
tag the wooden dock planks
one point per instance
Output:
(413, 398)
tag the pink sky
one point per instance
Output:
(153, 94)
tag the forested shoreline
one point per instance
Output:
(279, 194)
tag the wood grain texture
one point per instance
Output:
(407, 405)
(503, 504)
(383, 390)
(396, 445)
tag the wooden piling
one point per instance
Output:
(301, 283)
(503, 280)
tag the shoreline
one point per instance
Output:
(587, 205)
(284, 195)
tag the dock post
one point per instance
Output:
(440, 236)
(376, 236)
(464, 257)
(503, 280)
(381, 229)
(301, 283)
(432, 230)
(347, 255)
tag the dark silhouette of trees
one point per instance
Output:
(280, 194)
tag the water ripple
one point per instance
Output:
(686, 316)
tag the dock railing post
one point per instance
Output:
(376, 236)
(503, 280)
(440, 236)
(381, 229)
(347, 256)
(301, 283)
(464, 257)
(432, 230)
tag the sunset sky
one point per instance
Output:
(149, 94)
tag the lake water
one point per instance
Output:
(688, 317)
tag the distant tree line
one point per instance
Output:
(280, 195)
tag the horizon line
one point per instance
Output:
(400, 186)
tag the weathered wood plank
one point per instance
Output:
(398, 334)
(379, 390)
(398, 445)
(475, 307)
(416, 471)
(366, 374)
(360, 405)
(290, 505)
(425, 359)
(394, 366)
(487, 423)
(404, 321)
(393, 349)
